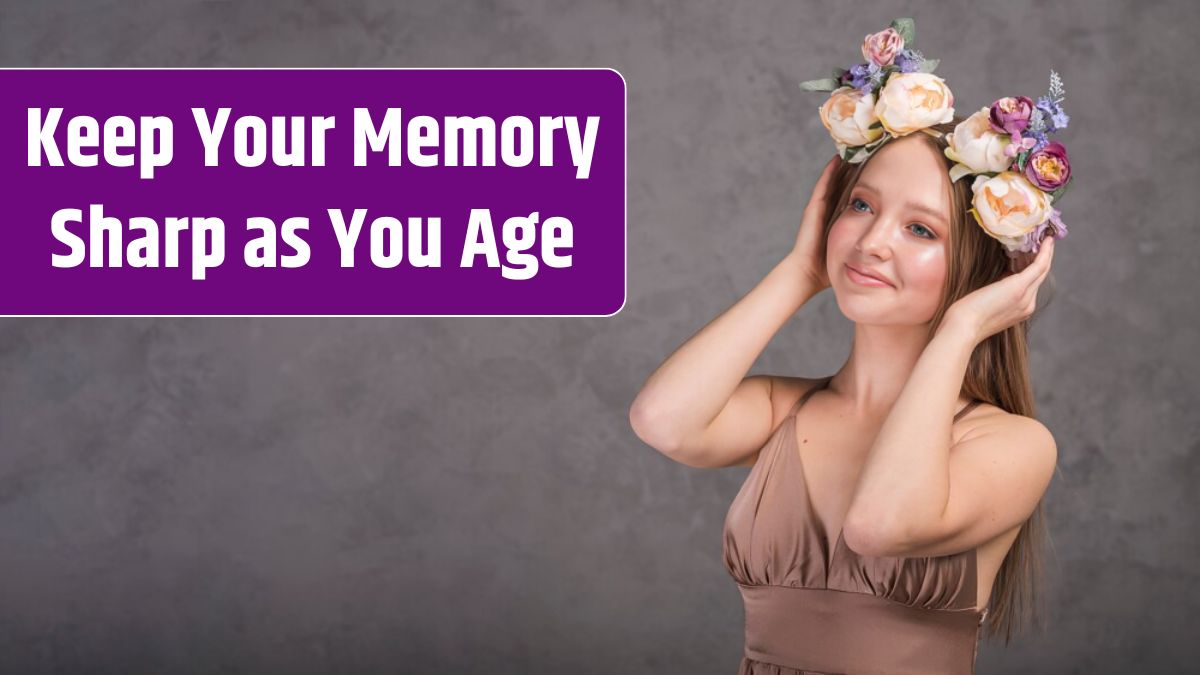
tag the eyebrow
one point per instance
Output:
(920, 208)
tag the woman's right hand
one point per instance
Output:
(809, 252)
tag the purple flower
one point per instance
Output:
(1058, 230)
(865, 77)
(1047, 108)
(907, 61)
(1053, 113)
(1060, 119)
(1048, 167)
(1040, 137)
(1010, 115)
(858, 75)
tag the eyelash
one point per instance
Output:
(930, 231)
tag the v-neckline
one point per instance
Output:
(830, 550)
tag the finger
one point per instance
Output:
(1034, 280)
(1040, 262)
(1046, 272)
(1045, 254)
(1038, 280)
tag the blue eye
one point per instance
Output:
(930, 235)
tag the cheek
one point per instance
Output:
(836, 244)
(924, 268)
(920, 267)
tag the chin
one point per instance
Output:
(878, 306)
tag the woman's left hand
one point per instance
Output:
(1003, 303)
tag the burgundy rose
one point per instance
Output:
(1048, 167)
(1010, 115)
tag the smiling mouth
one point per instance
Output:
(865, 280)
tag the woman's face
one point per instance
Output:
(884, 230)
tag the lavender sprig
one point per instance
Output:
(1057, 94)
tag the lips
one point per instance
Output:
(871, 275)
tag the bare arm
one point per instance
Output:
(678, 407)
(699, 407)
(922, 494)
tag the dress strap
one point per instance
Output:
(808, 394)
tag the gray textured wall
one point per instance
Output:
(465, 495)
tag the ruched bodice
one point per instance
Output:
(815, 606)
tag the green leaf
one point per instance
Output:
(825, 84)
(907, 30)
(838, 72)
(928, 65)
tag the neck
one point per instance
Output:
(881, 360)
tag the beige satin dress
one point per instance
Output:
(812, 608)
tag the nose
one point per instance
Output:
(875, 241)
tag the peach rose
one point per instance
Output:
(848, 115)
(976, 146)
(881, 48)
(1008, 206)
(911, 101)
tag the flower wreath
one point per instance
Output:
(1019, 174)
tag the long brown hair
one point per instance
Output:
(998, 373)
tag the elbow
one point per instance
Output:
(654, 432)
(650, 431)
(870, 536)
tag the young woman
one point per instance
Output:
(896, 504)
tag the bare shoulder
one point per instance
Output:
(986, 418)
(785, 392)
(993, 431)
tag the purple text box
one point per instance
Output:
(567, 260)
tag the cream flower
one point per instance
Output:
(1008, 206)
(911, 101)
(976, 146)
(848, 115)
